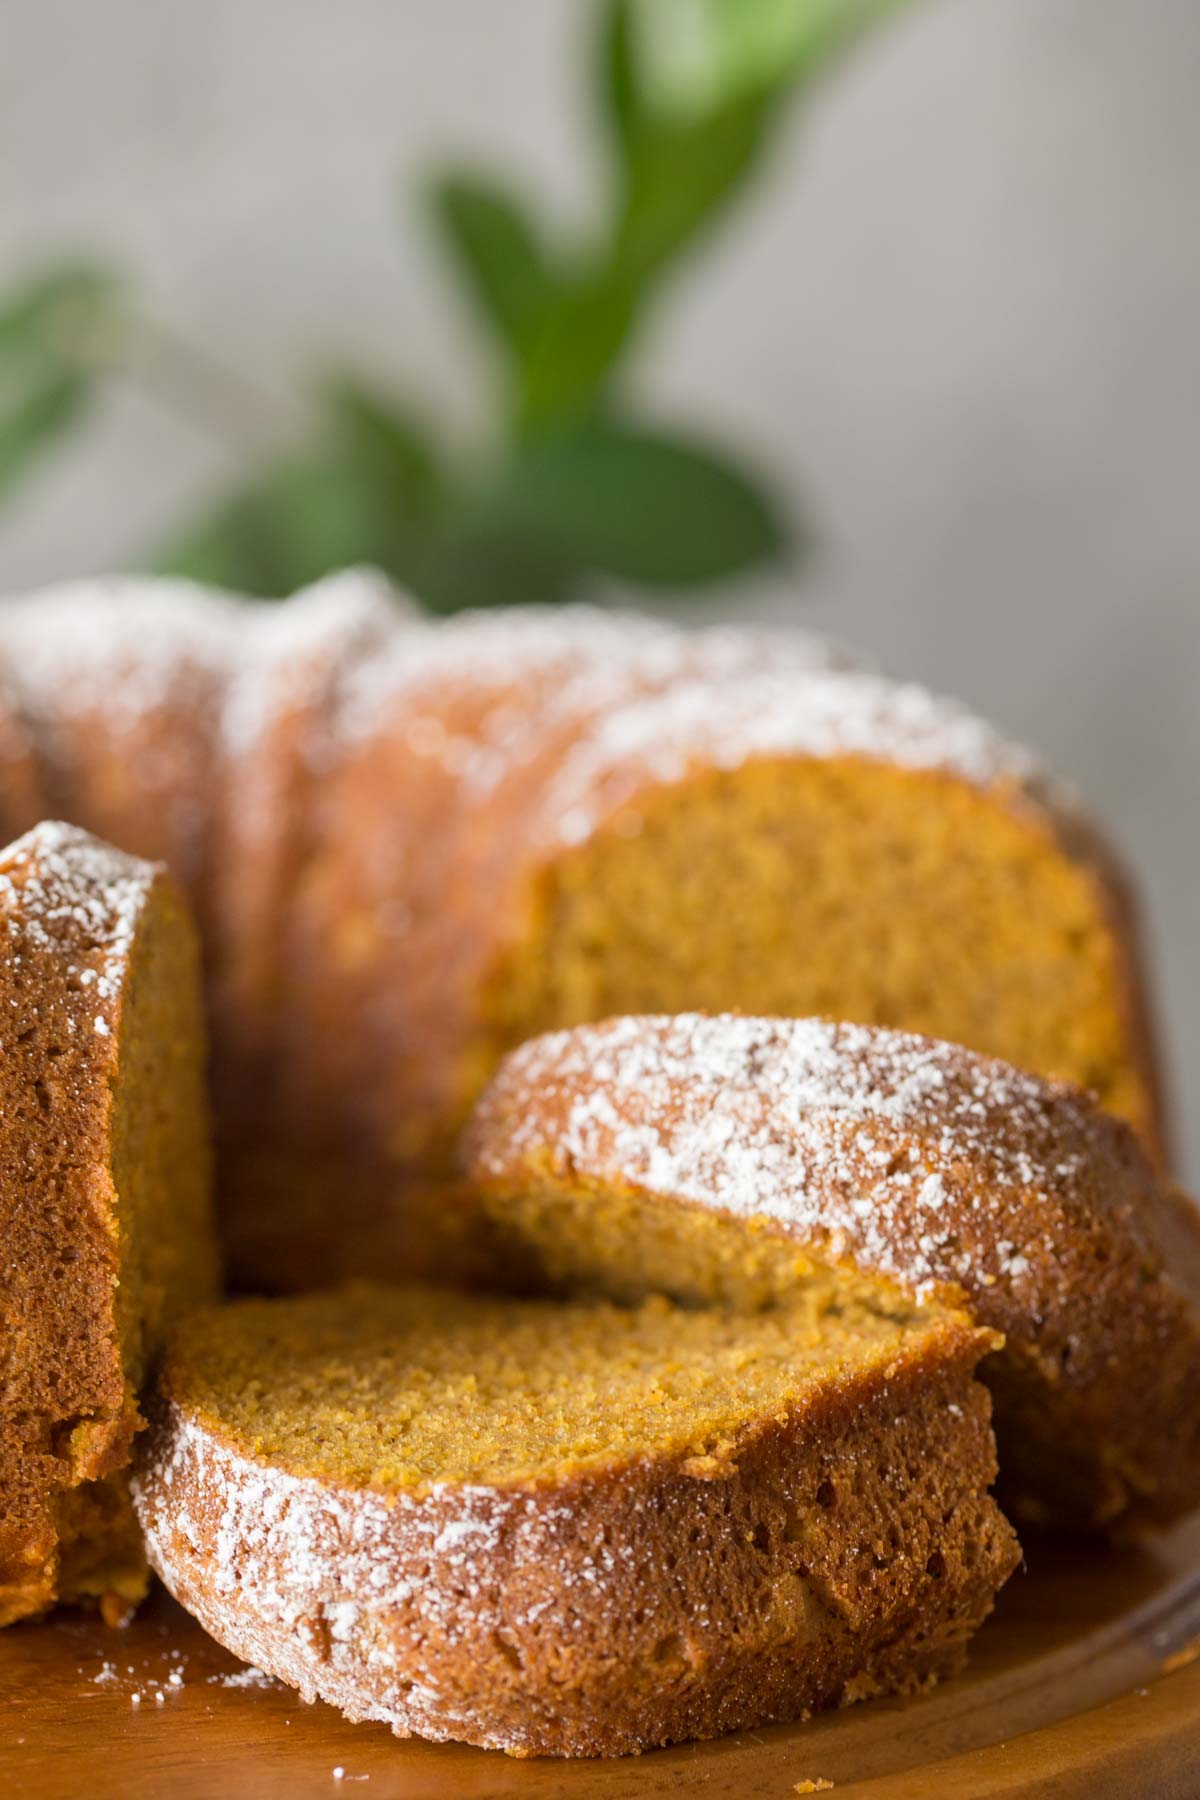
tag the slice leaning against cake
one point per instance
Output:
(577, 1528)
(411, 844)
(501, 856)
(105, 1229)
(738, 1159)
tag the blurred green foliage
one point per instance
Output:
(56, 332)
(575, 483)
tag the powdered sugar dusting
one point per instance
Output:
(66, 890)
(624, 700)
(631, 702)
(288, 647)
(125, 644)
(862, 1141)
(779, 710)
(342, 1593)
(537, 675)
(596, 648)
(249, 1677)
(117, 642)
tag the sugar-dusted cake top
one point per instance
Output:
(632, 699)
(779, 710)
(866, 1140)
(120, 642)
(65, 888)
(525, 671)
(287, 650)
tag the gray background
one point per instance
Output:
(960, 319)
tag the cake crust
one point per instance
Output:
(400, 835)
(89, 1272)
(516, 758)
(846, 1549)
(949, 1172)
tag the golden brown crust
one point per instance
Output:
(917, 1160)
(77, 921)
(1117, 900)
(273, 748)
(850, 1549)
(364, 834)
(122, 684)
(436, 897)
(23, 799)
(425, 833)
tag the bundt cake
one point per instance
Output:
(572, 1528)
(740, 1159)
(411, 844)
(105, 1216)
(121, 685)
(288, 661)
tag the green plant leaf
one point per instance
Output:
(694, 56)
(635, 504)
(478, 564)
(677, 169)
(393, 451)
(681, 178)
(34, 421)
(302, 517)
(57, 332)
(568, 364)
(695, 87)
(686, 150)
(620, 97)
(63, 316)
(565, 328)
(496, 248)
(364, 491)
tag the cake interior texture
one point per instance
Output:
(161, 1153)
(574, 1528)
(615, 1240)
(843, 889)
(165, 1249)
(1058, 1464)
(104, 1205)
(798, 887)
(411, 844)
(416, 1386)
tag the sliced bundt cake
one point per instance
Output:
(105, 1227)
(578, 1529)
(742, 1159)
(272, 748)
(765, 835)
(412, 844)
(122, 683)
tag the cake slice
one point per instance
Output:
(104, 1199)
(576, 1528)
(741, 1159)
